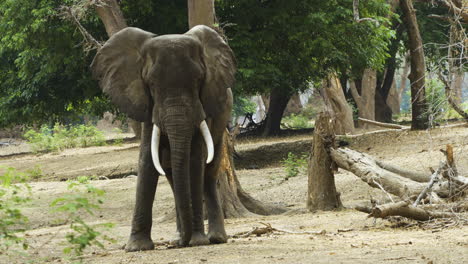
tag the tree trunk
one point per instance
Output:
(365, 100)
(393, 99)
(235, 202)
(456, 86)
(111, 16)
(321, 191)
(335, 103)
(383, 112)
(395, 95)
(294, 105)
(420, 118)
(278, 102)
(201, 12)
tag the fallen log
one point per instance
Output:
(406, 210)
(388, 125)
(370, 171)
(365, 167)
(413, 175)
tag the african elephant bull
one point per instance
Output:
(179, 87)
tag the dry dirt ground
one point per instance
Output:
(346, 236)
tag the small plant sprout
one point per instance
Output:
(83, 201)
(293, 164)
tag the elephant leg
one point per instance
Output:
(175, 240)
(140, 237)
(216, 231)
(197, 167)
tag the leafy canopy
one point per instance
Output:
(286, 44)
(44, 74)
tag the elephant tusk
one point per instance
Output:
(155, 138)
(208, 141)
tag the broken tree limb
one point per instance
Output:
(406, 210)
(365, 167)
(413, 175)
(369, 171)
(434, 178)
(388, 125)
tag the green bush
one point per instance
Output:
(84, 199)
(60, 137)
(14, 192)
(453, 114)
(436, 101)
(293, 164)
(296, 121)
(35, 173)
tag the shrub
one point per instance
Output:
(296, 121)
(61, 137)
(14, 192)
(293, 164)
(84, 199)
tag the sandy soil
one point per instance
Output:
(347, 236)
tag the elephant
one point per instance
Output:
(179, 87)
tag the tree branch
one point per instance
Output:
(356, 14)
(448, 94)
(69, 13)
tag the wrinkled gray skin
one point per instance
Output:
(174, 82)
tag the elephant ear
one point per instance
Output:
(118, 67)
(220, 67)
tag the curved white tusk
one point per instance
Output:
(208, 141)
(155, 138)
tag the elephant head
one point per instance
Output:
(176, 82)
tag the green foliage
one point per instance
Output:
(296, 121)
(243, 105)
(286, 44)
(293, 164)
(14, 192)
(436, 100)
(354, 108)
(84, 199)
(35, 173)
(453, 114)
(61, 137)
(44, 74)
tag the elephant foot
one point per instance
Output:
(139, 244)
(217, 237)
(178, 241)
(199, 239)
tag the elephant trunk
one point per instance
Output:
(180, 136)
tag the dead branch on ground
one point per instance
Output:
(388, 125)
(268, 229)
(443, 186)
